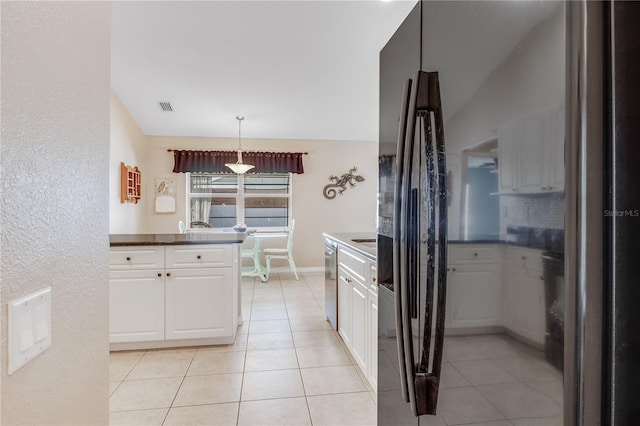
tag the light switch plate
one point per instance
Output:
(29, 326)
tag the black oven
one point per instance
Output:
(553, 263)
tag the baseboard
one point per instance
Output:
(465, 331)
(300, 269)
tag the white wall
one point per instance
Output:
(128, 145)
(354, 211)
(530, 80)
(55, 151)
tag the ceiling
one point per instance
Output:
(294, 69)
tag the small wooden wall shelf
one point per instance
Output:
(130, 184)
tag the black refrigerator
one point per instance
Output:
(539, 100)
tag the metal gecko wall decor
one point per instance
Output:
(339, 184)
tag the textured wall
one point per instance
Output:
(55, 153)
(128, 145)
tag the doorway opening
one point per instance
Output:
(480, 206)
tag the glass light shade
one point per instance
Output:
(239, 168)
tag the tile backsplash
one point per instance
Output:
(533, 211)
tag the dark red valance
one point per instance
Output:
(214, 161)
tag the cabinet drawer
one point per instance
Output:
(523, 257)
(199, 256)
(464, 253)
(136, 258)
(353, 262)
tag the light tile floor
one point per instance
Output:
(496, 380)
(287, 367)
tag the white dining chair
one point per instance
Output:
(253, 253)
(282, 253)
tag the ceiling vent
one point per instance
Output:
(166, 106)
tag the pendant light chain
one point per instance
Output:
(239, 118)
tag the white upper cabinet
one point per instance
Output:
(556, 153)
(509, 133)
(531, 154)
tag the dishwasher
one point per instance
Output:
(331, 281)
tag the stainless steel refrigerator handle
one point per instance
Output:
(440, 150)
(426, 383)
(397, 235)
(406, 279)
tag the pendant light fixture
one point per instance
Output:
(238, 167)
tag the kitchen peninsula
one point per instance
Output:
(170, 290)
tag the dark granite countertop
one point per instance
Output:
(118, 240)
(548, 240)
(347, 239)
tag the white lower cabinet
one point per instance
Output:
(474, 295)
(136, 306)
(524, 294)
(191, 293)
(197, 303)
(344, 306)
(359, 346)
(372, 338)
(358, 310)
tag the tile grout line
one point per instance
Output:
(244, 364)
(475, 387)
(304, 388)
(178, 390)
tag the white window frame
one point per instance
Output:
(240, 196)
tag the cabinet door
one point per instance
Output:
(555, 147)
(524, 302)
(344, 306)
(136, 306)
(199, 303)
(532, 305)
(474, 295)
(359, 344)
(531, 159)
(372, 339)
(506, 158)
(511, 296)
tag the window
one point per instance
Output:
(223, 200)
